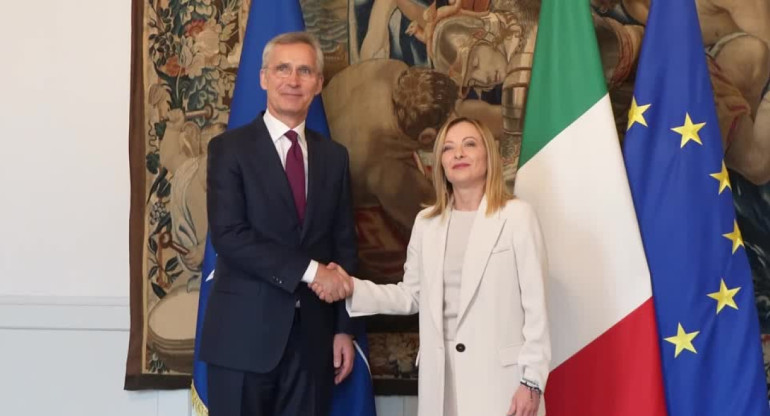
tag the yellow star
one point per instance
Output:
(724, 297)
(689, 131)
(723, 177)
(683, 340)
(636, 114)
(735, 237)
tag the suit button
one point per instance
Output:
(460, 347)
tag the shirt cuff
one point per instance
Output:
(310, 272)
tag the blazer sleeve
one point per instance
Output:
(233, 237)
(402, 298)
(532, 268)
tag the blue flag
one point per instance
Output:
(268, 18)
(200, 395)
(355, 396)
(701, 280)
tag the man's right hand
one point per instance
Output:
(332, 283)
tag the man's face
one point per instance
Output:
(291, 80)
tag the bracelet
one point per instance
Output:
(531, 385)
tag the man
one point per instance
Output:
(279, 209)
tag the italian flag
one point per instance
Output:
(606, 359)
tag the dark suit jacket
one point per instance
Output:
(263, 250)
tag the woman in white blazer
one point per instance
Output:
(474, 271)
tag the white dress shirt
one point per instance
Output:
(277, 130)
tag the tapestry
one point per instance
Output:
(395, 70)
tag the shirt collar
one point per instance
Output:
(277, 128)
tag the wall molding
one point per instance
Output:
(65, 313)
(111, 314)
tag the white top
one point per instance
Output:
(460, 223)
(277, 131)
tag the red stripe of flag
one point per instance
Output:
(619, 373)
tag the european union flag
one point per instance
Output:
(701, 281)
(267, 19)
(200, 394)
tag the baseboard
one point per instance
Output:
(64, 313)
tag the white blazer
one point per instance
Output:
(501, 320)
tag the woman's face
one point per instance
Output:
(486, 67)
(464, 156)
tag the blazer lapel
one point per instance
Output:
(482, 239)
(314, 174)
(266, 161)
(434, 269)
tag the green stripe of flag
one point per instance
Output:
(567, 77)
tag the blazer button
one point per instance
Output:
(460, 347)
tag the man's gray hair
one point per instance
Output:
(292, 38)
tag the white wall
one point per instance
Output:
(66, 356)
(64, 174)
(64, 215)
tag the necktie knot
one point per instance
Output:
(292, 136)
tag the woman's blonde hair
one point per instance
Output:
(495, 190)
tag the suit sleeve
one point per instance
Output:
(345, 245)
(532, 268)
(233, 237)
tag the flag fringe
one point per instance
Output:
(199, 408)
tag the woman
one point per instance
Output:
(474, 270)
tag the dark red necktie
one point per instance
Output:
(295, 172)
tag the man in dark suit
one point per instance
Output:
(279, 209)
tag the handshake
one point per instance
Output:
(332, 283)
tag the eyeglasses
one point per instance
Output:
(285, 70)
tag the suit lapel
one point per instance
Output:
(482, 239)
(314, 177)
(267, 162)
(436, 244)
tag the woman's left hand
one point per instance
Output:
(525, 402)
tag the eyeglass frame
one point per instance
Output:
(285, 70)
